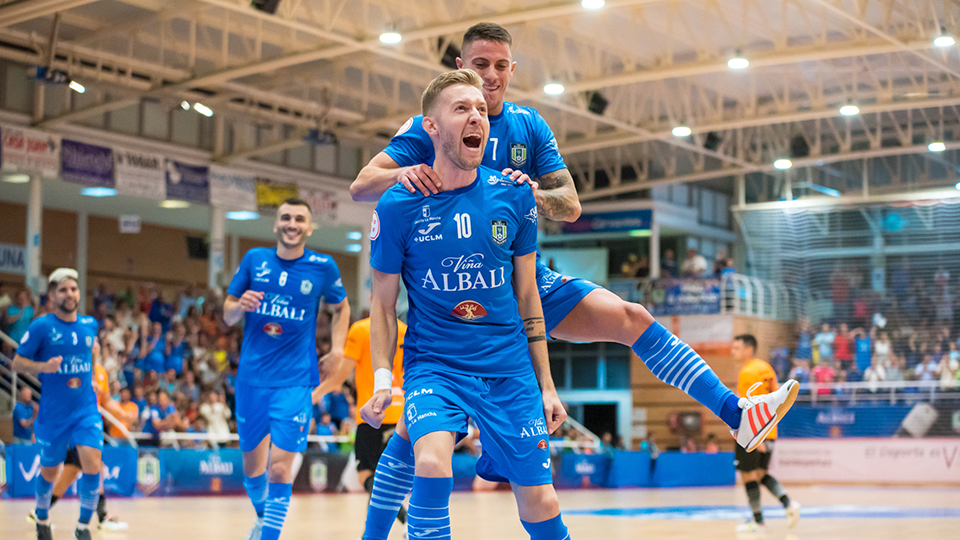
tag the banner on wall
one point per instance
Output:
(29, 151)
(232, 189)
(140, 174)
(12, 259)
(627, 220)
(188, 182)
(86, 164)
(323, 204)
(271, 194)
(23, 467)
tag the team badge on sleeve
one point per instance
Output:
(518, 154)
(499, 230)
(375, 226)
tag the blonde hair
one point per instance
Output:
(445, 80)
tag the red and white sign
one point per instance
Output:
(883, 461)
(30, 151)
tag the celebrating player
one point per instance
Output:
(467, 257)
(277, 292)
(58, 349)
(574, 309)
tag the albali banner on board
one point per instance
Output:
(868, 460)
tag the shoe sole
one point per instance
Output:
(781, 411)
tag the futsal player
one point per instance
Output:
(58, 349)
(476, 342)
(756, 379)
(371, 441)
(277, 292)
(574, 309)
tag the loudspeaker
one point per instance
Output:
(267, 6)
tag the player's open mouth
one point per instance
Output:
(472, 141)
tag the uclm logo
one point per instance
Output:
(468, 310)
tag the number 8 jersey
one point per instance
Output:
(454, 251)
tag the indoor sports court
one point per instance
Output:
(745, 215)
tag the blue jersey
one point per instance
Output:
(280, 338)
(455, 253)
(22, 411)
(519, 139)
(67, 394)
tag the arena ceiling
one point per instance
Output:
(653, 64)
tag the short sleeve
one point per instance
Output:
(31, 341)
(333, 291)
(241, 278)
(526, 240)
(411, 145)
(356, 341)
(386, 237)
(545, 150)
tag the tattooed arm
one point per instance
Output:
(556, 196)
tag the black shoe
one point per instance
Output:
(44, 532)
(82, 534)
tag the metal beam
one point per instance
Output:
(25, 10)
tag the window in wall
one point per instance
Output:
(349, 162)
(618, 371)
(186, 127)
(17, 88)
(584, 372)
(300, 157)
(325, 158)
(156, 120)
(126, 120)
(88, 99)
(681, 194)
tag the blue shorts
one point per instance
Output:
(507, 410)
(86, 431)
(282, 412)
(562, 294)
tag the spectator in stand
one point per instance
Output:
(712, 446)
(161, 312)
(824, 342)
(929, 370)
(668, 264)
(895, 369)
(823, 374)
(348, 429)
(801, 370)
(187, 300)
(900, 281)
(152, 347)
(881, 350)
(129, 418)
(5, 299)
(160, 417)
(949, 364)
(875, 373)
(841, 348)
(694, 266)
(19, 315)
(113, 334)
(169, 382)
(24, 415)
(177, 348)
(326, 428)
(215, 414)
(805, 341)
(188, 387)
(337, 405)
(689, 446)
(862, 344)
(779, 362)
(229, 384)
(916, 352)
(140, 399)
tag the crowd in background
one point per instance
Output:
(172, 362)
(694, 266)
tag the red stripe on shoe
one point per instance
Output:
(767, 410)
(753, 424)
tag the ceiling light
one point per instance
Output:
(936, 146)
(77, 87)
(390, 37)
(203, 109)
(18, 178)
(242, 215)
(98, 192)
(354, 248)
(354, 235)
(944, 40)
(173, 203)
(185, 105)
(849, 110)
(957, 186)
(592, 4)
(682, 131)
(738, 62)
(783, 164)
(554, 89)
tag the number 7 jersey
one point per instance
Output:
(454, 251)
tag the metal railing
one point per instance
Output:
(877, 391)
(755, 297)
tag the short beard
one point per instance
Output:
(451, 148)
(62, 307)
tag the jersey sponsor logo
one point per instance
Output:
(26, 336)
(34, 469)
(405, 127)
(546, 464)
(261, 272)
(273, 329)
(74, 383)
(534, 428)
(425, 533)
(542, 445)
(499, 231)
(518, 154)
(429, 227)
(411, 411)
(74, 365)
(494, 179)
(338, 282)
(56, 337)
(552, 145)
(547, 279)
(425, 235)
(420, 392)
(531, 216)
(214, 466)
(375, 226)
(425, 211)
(89, 341)
(306, 286)
(467, 273)
(278, 305)
(317, 258)
(468, 310)
(517, 110)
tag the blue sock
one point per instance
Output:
(429, 514)
(675, 363)
(275, 510)
(44, 493)
(88, 488)
(392, 482)
(257, 491)
(551, 529)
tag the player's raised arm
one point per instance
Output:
(383, 344)
(556, 196)
(528, 303)
(383, 172)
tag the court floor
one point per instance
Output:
(856, 513)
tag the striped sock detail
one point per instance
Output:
(256, 488)
(429, 514)
(88, 488)
(677, 364)
(275, 510)
(392, 482)
(44, 494)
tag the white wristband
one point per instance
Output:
(382, 380)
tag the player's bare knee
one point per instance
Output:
(280, 472)
(431, 465)
(538, 503)
(636, 320)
